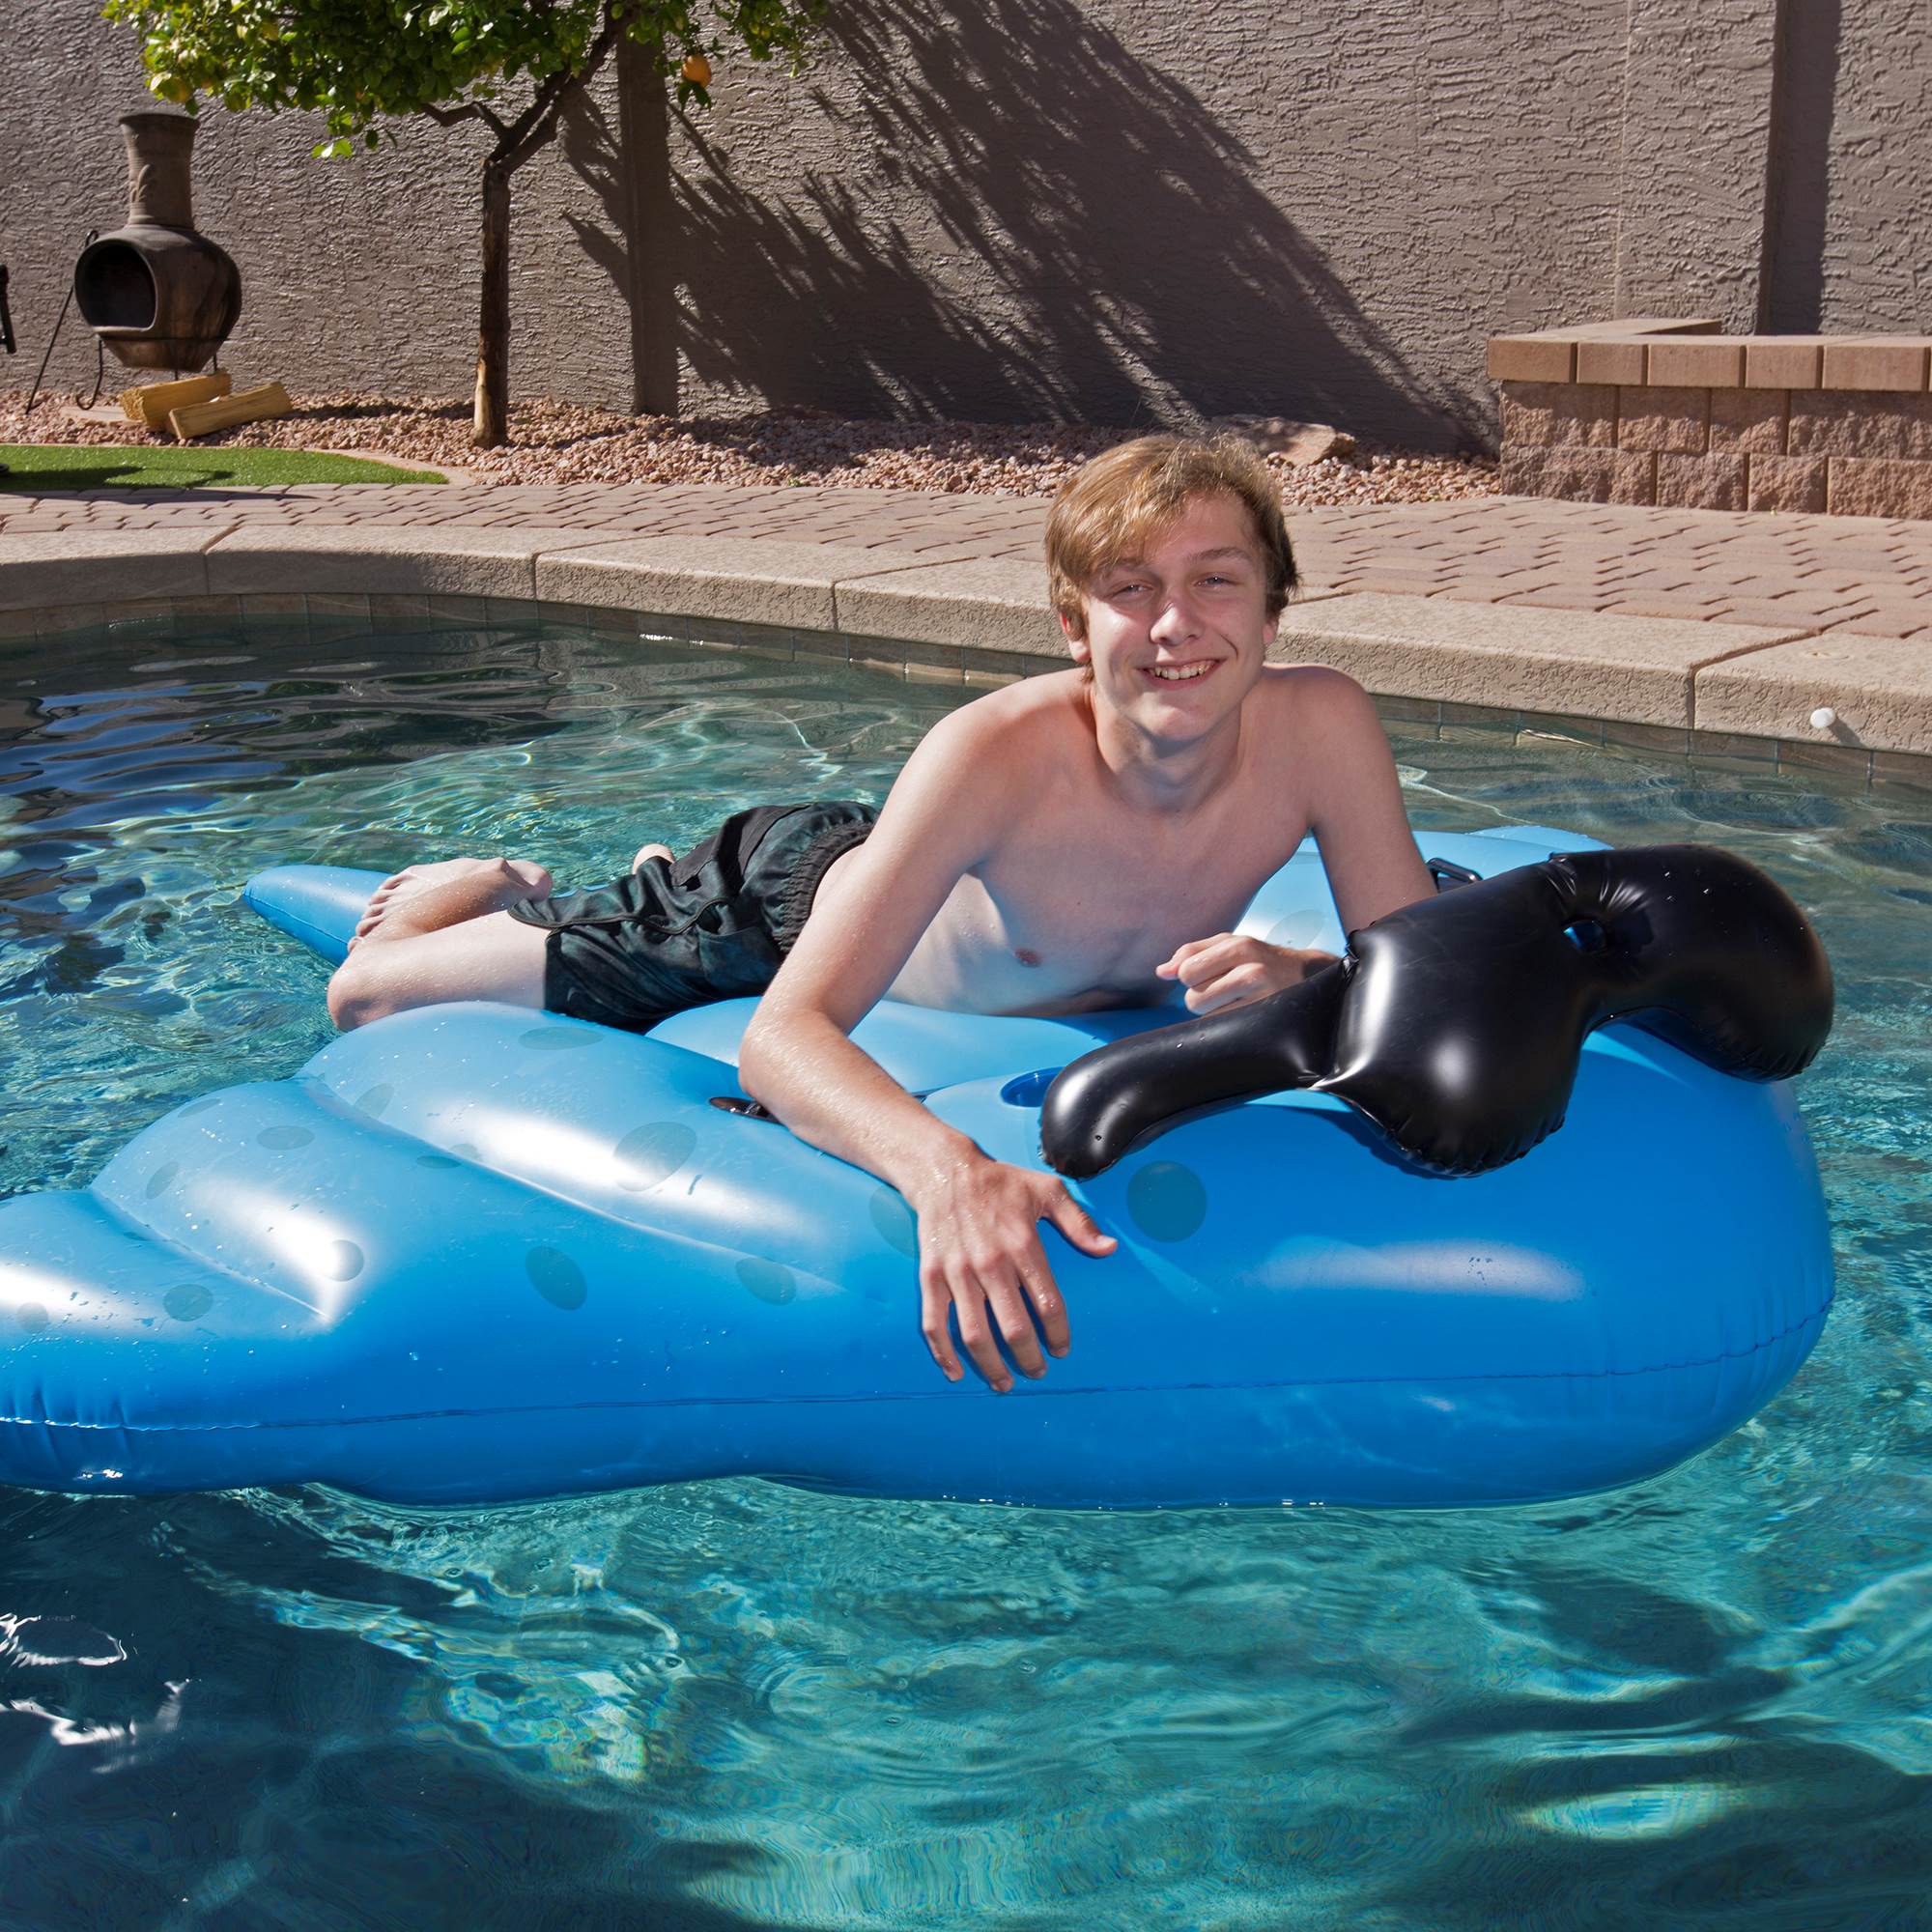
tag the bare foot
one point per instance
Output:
(419, 898)
(652, 851)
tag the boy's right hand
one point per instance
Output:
(979, 1254)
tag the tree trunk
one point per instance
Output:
(493, 335)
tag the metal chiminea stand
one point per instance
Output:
(6, 333)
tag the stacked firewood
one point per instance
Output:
(201, 404)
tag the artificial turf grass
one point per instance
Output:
(39, 466)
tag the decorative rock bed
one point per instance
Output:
(563, 443)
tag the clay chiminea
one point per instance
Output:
(157, 293)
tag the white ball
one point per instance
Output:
(1824, 718)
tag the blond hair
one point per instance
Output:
(1116, 504)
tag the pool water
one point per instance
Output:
(1704, 1701)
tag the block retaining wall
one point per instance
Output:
(1674, 415)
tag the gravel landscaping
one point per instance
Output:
(561, 442)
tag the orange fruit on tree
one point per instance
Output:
(697, 70)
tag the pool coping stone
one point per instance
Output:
(60, 567)
(369, 559)
(767, 581)
(1880, 688)
(1640, 670)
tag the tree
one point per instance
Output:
(356, 61)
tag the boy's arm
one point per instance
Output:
(1356, 809)
(978, 1219)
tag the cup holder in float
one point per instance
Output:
(1028, 1089)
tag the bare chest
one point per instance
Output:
(1066, 918)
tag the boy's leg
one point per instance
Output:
(445, 932)
(425, 898)
(441, 933)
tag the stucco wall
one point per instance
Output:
(1875, 270)
(1119, 210)
(1697, 98)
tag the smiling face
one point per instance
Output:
(1176, 639)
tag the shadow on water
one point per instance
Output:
(1132, 270)
(96, 738)
(279, 1771)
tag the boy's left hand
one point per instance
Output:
(1233, 970)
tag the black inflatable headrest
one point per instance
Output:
(1455, 1024)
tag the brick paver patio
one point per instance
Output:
(1821, 574)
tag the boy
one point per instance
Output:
(1080, 839)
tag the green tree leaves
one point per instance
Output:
(356, 61)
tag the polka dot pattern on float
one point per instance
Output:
(555, 1039)
(769, 1281)
(32, 1317)
(342, 1260)
(188, 1302)
(556, 1278)
(1169, 1201)
(652, 1153)
(281, 1139)
(163, 1179)
(894, 1221)
(376, 1101)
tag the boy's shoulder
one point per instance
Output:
(978, 750)
(1317, 726)
(1042, 701)
(1313, 704)
(1310, 682)
(1317, 693)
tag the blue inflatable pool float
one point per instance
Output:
(477, 1252)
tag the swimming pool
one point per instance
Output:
(1701, 1701)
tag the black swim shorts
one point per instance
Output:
(713, 924)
